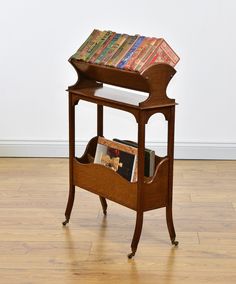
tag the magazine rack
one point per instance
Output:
(147, 193)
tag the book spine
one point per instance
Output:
(124, 48)
(130, 52)
(107, 49)
(163, 54)
(149, 42)
(174, 58)
(147, 156)
(89, 46)
(148, 54)
(114, 48)
(159, 57)
(136, 54)
(146, 63)
(103, 36)
(102, 47)
(85, 44)
(120, 146)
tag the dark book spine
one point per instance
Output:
(146, 154)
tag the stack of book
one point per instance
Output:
(135, 53)
(121, 157)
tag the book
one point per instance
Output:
(107, 49)
(142, 53)
(118, 157)
(114, 48)
(122, 50)
(94, 47)
(149, 156)
(92, 35)
(99, 44)
(162, 53)
(102, 47)
(91, 41)
(136, 54)
(129, 54)
(147, 50)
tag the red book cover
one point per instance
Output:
(174, 58)
(136, 54)
(145, 52)
(162, 54)
(146, 59)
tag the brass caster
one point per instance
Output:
(65, 222)
(130, 255)
(175, 243)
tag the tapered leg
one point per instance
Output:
(100, 133)
(169, 215)
(137, 234)
(139, 216)
(104, 204)
(72, 102)
(70, 203)
(170, 225)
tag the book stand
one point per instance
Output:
(147, 193)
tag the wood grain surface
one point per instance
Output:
(36, 248)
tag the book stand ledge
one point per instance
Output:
(147, 193)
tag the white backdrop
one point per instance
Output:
(38, 36)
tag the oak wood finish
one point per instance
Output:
(36, 249)
(145, 194)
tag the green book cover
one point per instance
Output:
(107, 49)
(86, 45)
(122, 50)
(102, 47)
(100, 41)
(114, 48)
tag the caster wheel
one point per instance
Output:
(175, 243)
(65, 222)
(130, 255)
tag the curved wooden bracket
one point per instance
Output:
(163, 110)
(83, 81)
(158, 77)
(74, 100)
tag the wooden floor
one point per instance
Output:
(35, 248)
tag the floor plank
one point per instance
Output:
(36, 248)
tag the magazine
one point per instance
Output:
(119, 157)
